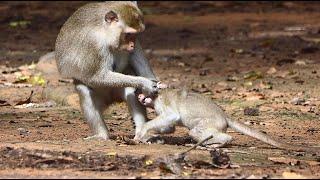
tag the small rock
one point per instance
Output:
(232, 78)
(204, 72)
(181, 64)
(272, 70)
(300, 63)
(165, 59)
(251, 111)
(237, 51)
(222, 83)
(297, 101)
(23, 131)
(148, 51)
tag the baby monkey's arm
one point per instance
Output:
(163, 121)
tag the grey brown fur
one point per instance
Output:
(203, 118)
(87, 50)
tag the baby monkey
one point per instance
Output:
(202, 117)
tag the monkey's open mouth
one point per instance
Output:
(144, 100)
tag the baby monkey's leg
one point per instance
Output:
(201, 132)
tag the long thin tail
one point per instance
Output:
(242, 128)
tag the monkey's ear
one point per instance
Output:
(135, 2)
(111, 17)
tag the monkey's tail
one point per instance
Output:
(242, 128)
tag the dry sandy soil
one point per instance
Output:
(258, 61)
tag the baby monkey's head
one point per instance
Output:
(148, 101)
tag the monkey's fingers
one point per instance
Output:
(161, 85)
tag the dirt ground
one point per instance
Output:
(258, 60)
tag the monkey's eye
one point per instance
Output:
(141, 19)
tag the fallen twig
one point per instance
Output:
(198, 144)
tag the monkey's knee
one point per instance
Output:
(129, 93)
(218, 139)
(198, 133)
(167, 130)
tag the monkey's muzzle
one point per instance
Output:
(144, 100)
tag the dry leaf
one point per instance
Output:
(220, 159)
(4, 103)
(300, 62)
(27, 101)
(148, 162)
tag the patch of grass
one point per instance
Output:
(241, 103)
(256, 158)
(188, 19)
(73, 114)
(296, 115)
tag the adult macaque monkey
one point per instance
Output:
(202, 117)
(98, 48)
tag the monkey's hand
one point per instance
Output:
(149, 87)
(142, 136)
(161, 85)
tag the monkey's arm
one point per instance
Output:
(140, 64)
(114, 79)
(164, 120)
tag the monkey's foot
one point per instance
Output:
(96, 137)
(166, 130)
(150, 139)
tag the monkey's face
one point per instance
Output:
(127, 42)
(129, 19)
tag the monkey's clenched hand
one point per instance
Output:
(146, 99)
(149, 87)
